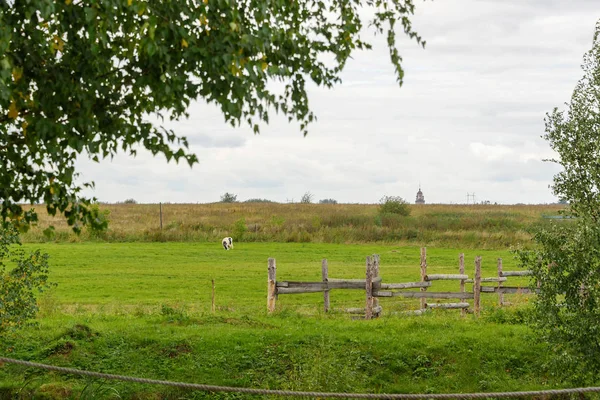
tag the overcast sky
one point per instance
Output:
(468, 119)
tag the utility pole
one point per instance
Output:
(471, 195)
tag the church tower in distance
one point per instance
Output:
(420, 198)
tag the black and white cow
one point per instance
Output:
(227, 243)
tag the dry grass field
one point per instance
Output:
(470, 226)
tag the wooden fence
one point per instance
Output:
(375, 288)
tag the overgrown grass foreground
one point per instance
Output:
(144, 309)
(473, 226)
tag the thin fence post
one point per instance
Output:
(376, 285)
(461, 270)
(325, 274)
(477, 286)
(271, 286)
(500, 293)
(423, 275)
(160, 212)
(213, 296)
(369, 289)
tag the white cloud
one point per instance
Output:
(490, 153)
(468, 119)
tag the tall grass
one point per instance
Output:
(473, 226)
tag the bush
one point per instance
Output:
(102, 219)
(130, 201)
(328, 201)
(393, 205)
(229, 198)
(307, 198)
(239, 228)
(19, 284)
(258, 201)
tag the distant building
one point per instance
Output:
(420, 198)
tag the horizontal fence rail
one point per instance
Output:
(424, 295)
(506, 289)
(446, 277)
(516, 273)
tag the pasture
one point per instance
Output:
(144, 309)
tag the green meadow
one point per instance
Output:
(144, 309)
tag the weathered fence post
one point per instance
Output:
(423, 275)
(500, 293)
(377, 284)
(461, 270)
(271, 286)
(369, 288)
(325, 274)
(213, 296)
(160, 206)
(477, 286)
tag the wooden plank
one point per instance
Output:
(325, 275)
(376, 284)
(299, 290)
(461, 270)
(421, 295)
(477, 286)
(358, 310)
(271, 285)
(358, 281)
(500, 293)
(321, 285)
(423, 274)
(408, 285)
(503, 279)
(448, 305)
(517, 273)
(506, 289)
(369, 288)
(212, 308)
(447, 277)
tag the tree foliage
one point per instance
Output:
(258, 200)
(229, 198)
(307, 198)
(393, 205)
(82, 77)
(328, 201)
(566, 262)
(22, 276)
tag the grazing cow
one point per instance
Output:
(227, 243)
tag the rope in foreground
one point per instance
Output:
(214, 388)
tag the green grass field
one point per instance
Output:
(144, 309)
(150, 274)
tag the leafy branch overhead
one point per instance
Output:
(83, 76)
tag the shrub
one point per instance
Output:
(258, 201)
(102, 219)
(229, 198)
(130, 201)
(328, 201)
(307, 198)
(393, 205)
(19, 284)
(239, 228)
